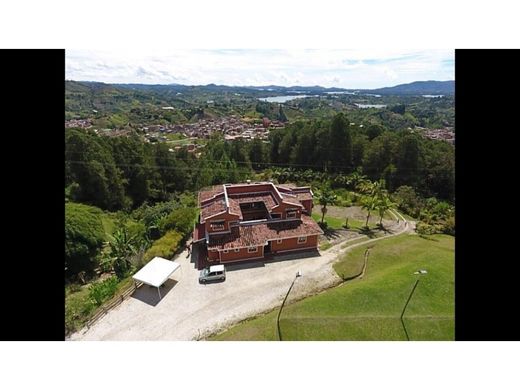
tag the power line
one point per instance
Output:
(151, 166)
(289, 165)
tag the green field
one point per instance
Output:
(337, 223)
(332, 223)
(369, 308)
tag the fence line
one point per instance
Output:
(106, 307)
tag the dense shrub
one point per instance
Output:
(424, 228)
(181, 220)
(84, 237)
(449, 226)
(165, 247)
(99, 292)
(150, 215)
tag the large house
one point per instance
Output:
(240, 222)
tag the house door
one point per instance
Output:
(267, 248)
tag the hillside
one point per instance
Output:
(419, 88)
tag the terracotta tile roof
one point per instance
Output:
(303, 196)
(267, 198)
(208, 193)
(292, 199)
(214, 200)
(234, 206)
(286, 185)
(212, 208)
(258, 234)
(300, 193)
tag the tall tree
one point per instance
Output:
(325, 197)
(408, 163)
(368, 203)
(340, 144)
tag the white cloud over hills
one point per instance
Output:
(328, 68)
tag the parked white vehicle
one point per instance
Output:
(214, 272)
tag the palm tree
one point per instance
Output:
(368, 203)
(366, 187)
(325, 197)
(354, 179)
(383, 204)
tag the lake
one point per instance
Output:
(283, 99)
(370, 105)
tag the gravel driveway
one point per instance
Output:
(189, 310)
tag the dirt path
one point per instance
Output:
(191, 311)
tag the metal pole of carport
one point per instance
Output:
(159, 291)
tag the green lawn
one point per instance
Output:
(325, 245)
(337, 223)
(332, 223)
(369, 308)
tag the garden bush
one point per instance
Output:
(165, 247)
(181, 220)
(99, 292)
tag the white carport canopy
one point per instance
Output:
(156, 272)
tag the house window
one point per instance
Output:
(217, 225)
(237, 250)
(276, 215)
(226, 250)
(252, 249)
(302, 240)
(278, 241)
(291, 214)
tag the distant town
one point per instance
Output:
(232, 127)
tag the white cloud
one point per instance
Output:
(342, 68)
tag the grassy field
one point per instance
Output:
(337, 223)
(332, 223)
(369, 308)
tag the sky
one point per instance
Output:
(356, 69)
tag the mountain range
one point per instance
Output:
(430, 87)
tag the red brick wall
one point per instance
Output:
(249, 188)
(241, 254)
(226, 217)
(282, 207)
(213, 255)
(292, 243)
(307, 204)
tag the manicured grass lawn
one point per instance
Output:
(369, 308)
(325, 245)
(355, 241)
(332, 223)
(336, 223)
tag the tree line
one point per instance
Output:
(116, 173)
